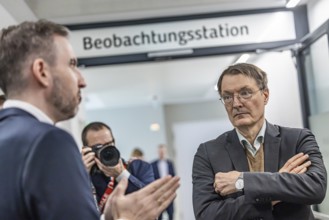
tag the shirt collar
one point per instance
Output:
(36, 112)
(259, 138)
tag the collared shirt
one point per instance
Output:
(163, 168)
(253, 148)
(125, 173)
(36, 112)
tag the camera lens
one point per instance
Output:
(109, 156)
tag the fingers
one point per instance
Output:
(161, 191)
(155, 185)
(166, 194)
(167, 189)
(295, 164)
(112, 208)
(88, 157)
(291, 161)
(85, 150)
(301, 168)
(120, 189)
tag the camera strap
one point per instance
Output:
(107, 193)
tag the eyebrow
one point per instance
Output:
(241, 89)
(110, 142)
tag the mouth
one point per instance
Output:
(239, 114)
(79, 97)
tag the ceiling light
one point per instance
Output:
(155, 127)
(292, 3)
(169, 53)
(243, 58)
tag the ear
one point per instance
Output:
(266, 93)
(40, 71)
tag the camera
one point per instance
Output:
(108, 155)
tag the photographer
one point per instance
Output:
(106, 168)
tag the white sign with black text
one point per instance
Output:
(189, 34)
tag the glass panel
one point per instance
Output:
(317, 75)
(319, 125)
(316, 66)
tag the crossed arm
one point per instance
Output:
(301, 180)
(224, 183)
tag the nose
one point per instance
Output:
(81, 80)
(236, 101)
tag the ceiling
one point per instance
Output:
(82, 11)
(163, 82)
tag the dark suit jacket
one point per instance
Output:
(141, 175)
(42, 174)
(171, 169)
(297, 192)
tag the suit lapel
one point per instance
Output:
(236, 152)
(271, 148)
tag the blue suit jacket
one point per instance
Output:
(141, 174)
(42, 174)
(171, 169)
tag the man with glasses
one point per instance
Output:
(104, 178)
(257, 170)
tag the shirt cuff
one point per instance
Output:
(125, 173)
(102, 217)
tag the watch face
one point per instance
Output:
(239, 184)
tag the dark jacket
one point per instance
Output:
(42, 174)
(296, 192)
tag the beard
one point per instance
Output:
(64, 103)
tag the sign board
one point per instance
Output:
(183, 35)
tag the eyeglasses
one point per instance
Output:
(112, 142)
(243, 95)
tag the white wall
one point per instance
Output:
(284, 106)
(317, 13)
(6, 18)
(188, 137)
(131, 128)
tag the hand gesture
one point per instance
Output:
(146, 203)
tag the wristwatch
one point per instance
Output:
(239, 183)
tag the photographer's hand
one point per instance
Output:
(88, 158)
(114, 171)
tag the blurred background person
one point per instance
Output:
(137, 153)
(163, 167)
(99, 152)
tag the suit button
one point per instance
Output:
(257, 199)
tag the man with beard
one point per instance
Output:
(257, 170)
(42, 174)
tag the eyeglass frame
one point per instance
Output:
(110, 143)
(241, 99)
